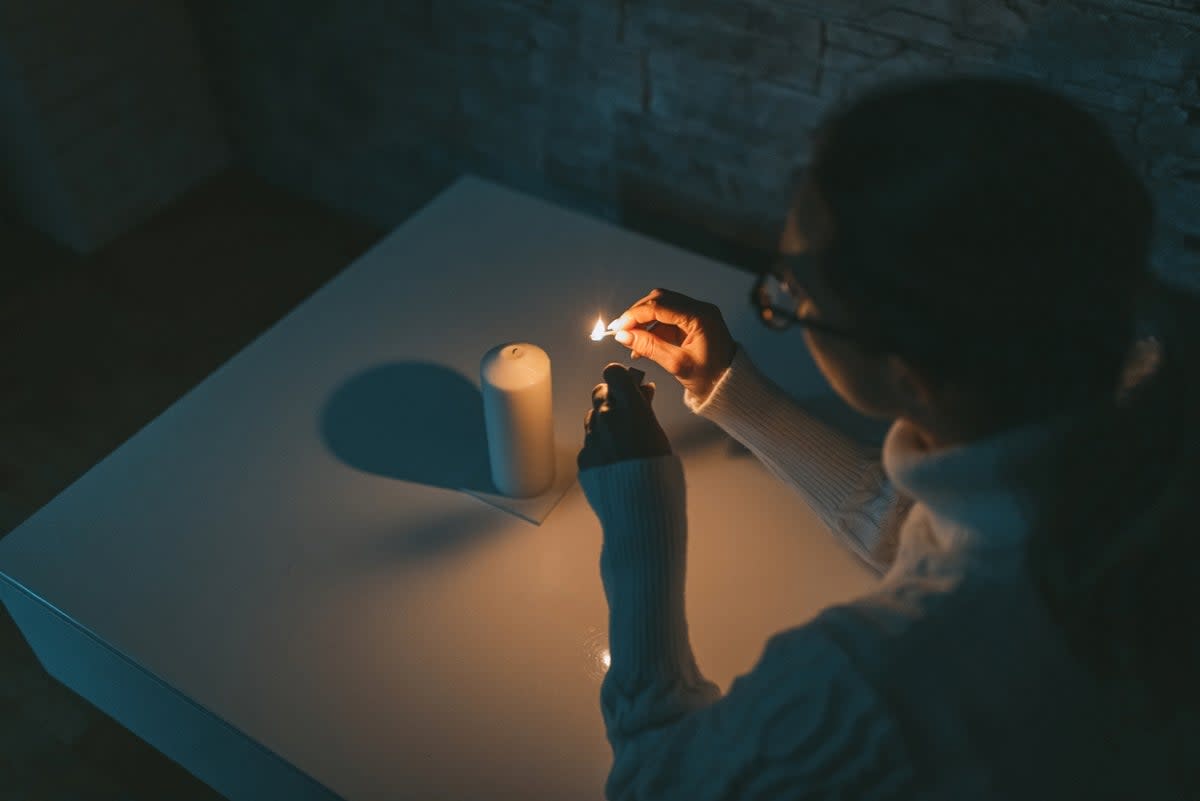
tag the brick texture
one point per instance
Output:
(689, 110)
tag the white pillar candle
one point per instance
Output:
(519, 413)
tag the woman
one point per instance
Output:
(967, 257)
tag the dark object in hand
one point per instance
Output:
(621, 424)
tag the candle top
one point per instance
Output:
(514, 365)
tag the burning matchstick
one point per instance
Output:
(600, 331)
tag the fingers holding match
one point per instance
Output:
(660, 306)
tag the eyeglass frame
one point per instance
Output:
(787, 269)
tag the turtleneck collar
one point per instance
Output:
(976, 485)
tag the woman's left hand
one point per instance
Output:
(621, 425)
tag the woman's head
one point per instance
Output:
(988, 236)
(990, 242)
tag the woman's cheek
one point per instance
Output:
(826, 365)
(855, 386)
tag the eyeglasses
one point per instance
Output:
(779, 293)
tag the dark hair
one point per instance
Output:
(992, 233)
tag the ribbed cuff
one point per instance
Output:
(699, 404)
(642, 507)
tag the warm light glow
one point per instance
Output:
(598, 332)
(595, 647)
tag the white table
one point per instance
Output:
(289, 625)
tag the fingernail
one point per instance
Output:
(624, 337)
(618, 323)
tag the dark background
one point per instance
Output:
(175, 175)
(692, 112)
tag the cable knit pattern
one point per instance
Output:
(840, 479)
(803, 724)
(948, 681)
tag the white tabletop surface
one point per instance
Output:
(391, 638)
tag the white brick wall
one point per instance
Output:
(693, 109)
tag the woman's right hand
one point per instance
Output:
(691, 340)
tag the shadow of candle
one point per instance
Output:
(413, 421)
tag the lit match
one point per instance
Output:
(599, 332)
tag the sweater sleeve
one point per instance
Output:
(804, 723)
(840, 479)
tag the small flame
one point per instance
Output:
(598, 331)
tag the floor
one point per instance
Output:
(91, 349)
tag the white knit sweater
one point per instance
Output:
(947, 682)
